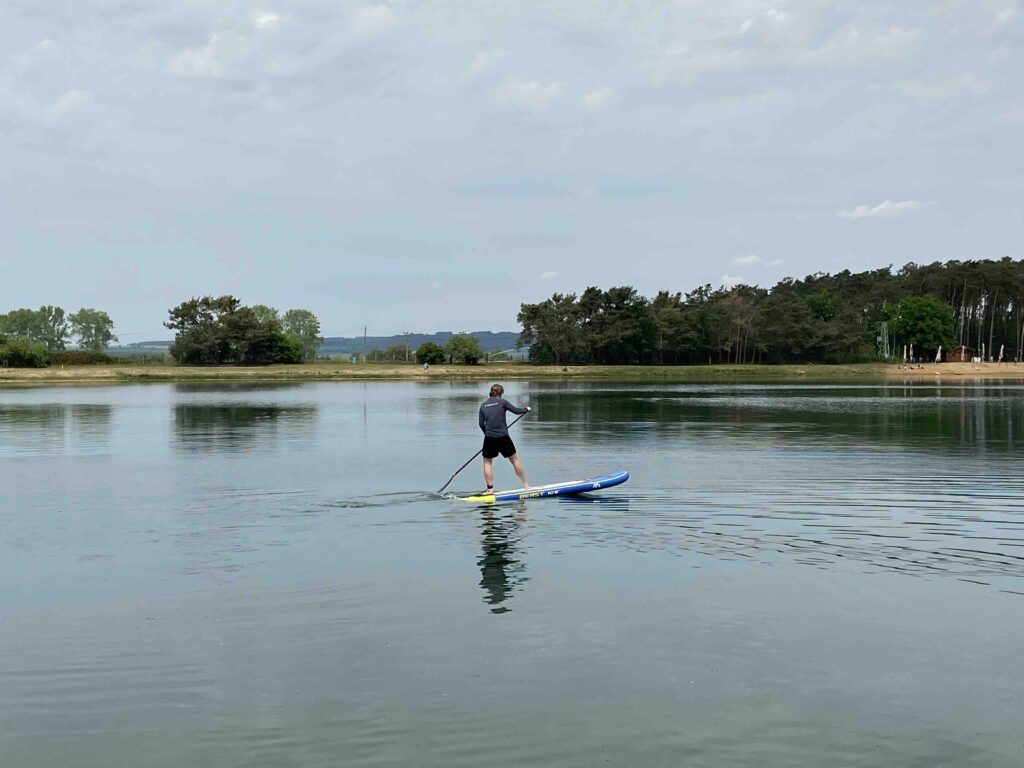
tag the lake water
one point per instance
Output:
(261, 576)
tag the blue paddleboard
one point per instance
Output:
(554, 489)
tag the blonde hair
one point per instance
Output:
(497, 390)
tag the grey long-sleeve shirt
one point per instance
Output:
(492, 416)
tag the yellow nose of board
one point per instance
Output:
(488, 499)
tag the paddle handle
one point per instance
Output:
(441, 489)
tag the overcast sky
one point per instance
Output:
(431, 165)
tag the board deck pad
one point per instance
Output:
(554, 489)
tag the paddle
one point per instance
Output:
(441, 490)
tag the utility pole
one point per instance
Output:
(364, 343)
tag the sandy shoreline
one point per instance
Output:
(72, 375)
(1013, 371)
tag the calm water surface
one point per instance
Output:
(260, 576)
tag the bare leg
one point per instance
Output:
(520, 472)
(489, 472)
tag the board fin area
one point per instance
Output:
(569, 488)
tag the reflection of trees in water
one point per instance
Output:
(34, 417)
(92, 423)
(53, 425)
(501, 573)
(940, 417)
(450, 399)
(223, 387)
(217, 427)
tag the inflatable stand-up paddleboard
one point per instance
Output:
(555, 489)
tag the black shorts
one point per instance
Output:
(495, 445)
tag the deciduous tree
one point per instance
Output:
(926, 322)
(303, 326)
(463, 348)
(430, 353)
(93, 328)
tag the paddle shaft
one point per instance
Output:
(441, 490)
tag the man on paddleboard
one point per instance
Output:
(496, 439)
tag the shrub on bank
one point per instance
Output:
(19, 352)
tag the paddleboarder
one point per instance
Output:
(496, 439)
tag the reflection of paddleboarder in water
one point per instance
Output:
(500, 572)
(496, 439)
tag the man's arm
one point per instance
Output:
(511, 408)
(481, 420)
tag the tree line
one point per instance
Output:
(221, 330)
(461, 348)
(845, 317)
(32, 337)
(54, 329)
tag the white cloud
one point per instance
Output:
(980, 16)
(699, 37)
(267, 20)
(743, 261)
(528, 93)
(204, 61)
(598, 98)
(69, 102)
(484, 60)
(944, 89)
(1006, 15)
(775, 263)
(435, 285)
(549, 275)
(731, 280)
(370, 19)
(1014, 115)
(45, 44)
(888, 209)
(772, 16)
(854, 44)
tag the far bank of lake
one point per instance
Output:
(337, 371)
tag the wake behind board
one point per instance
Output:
(554, 489)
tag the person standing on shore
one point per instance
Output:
(496, 438)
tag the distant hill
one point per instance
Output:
(141, 349)
(491, 341)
